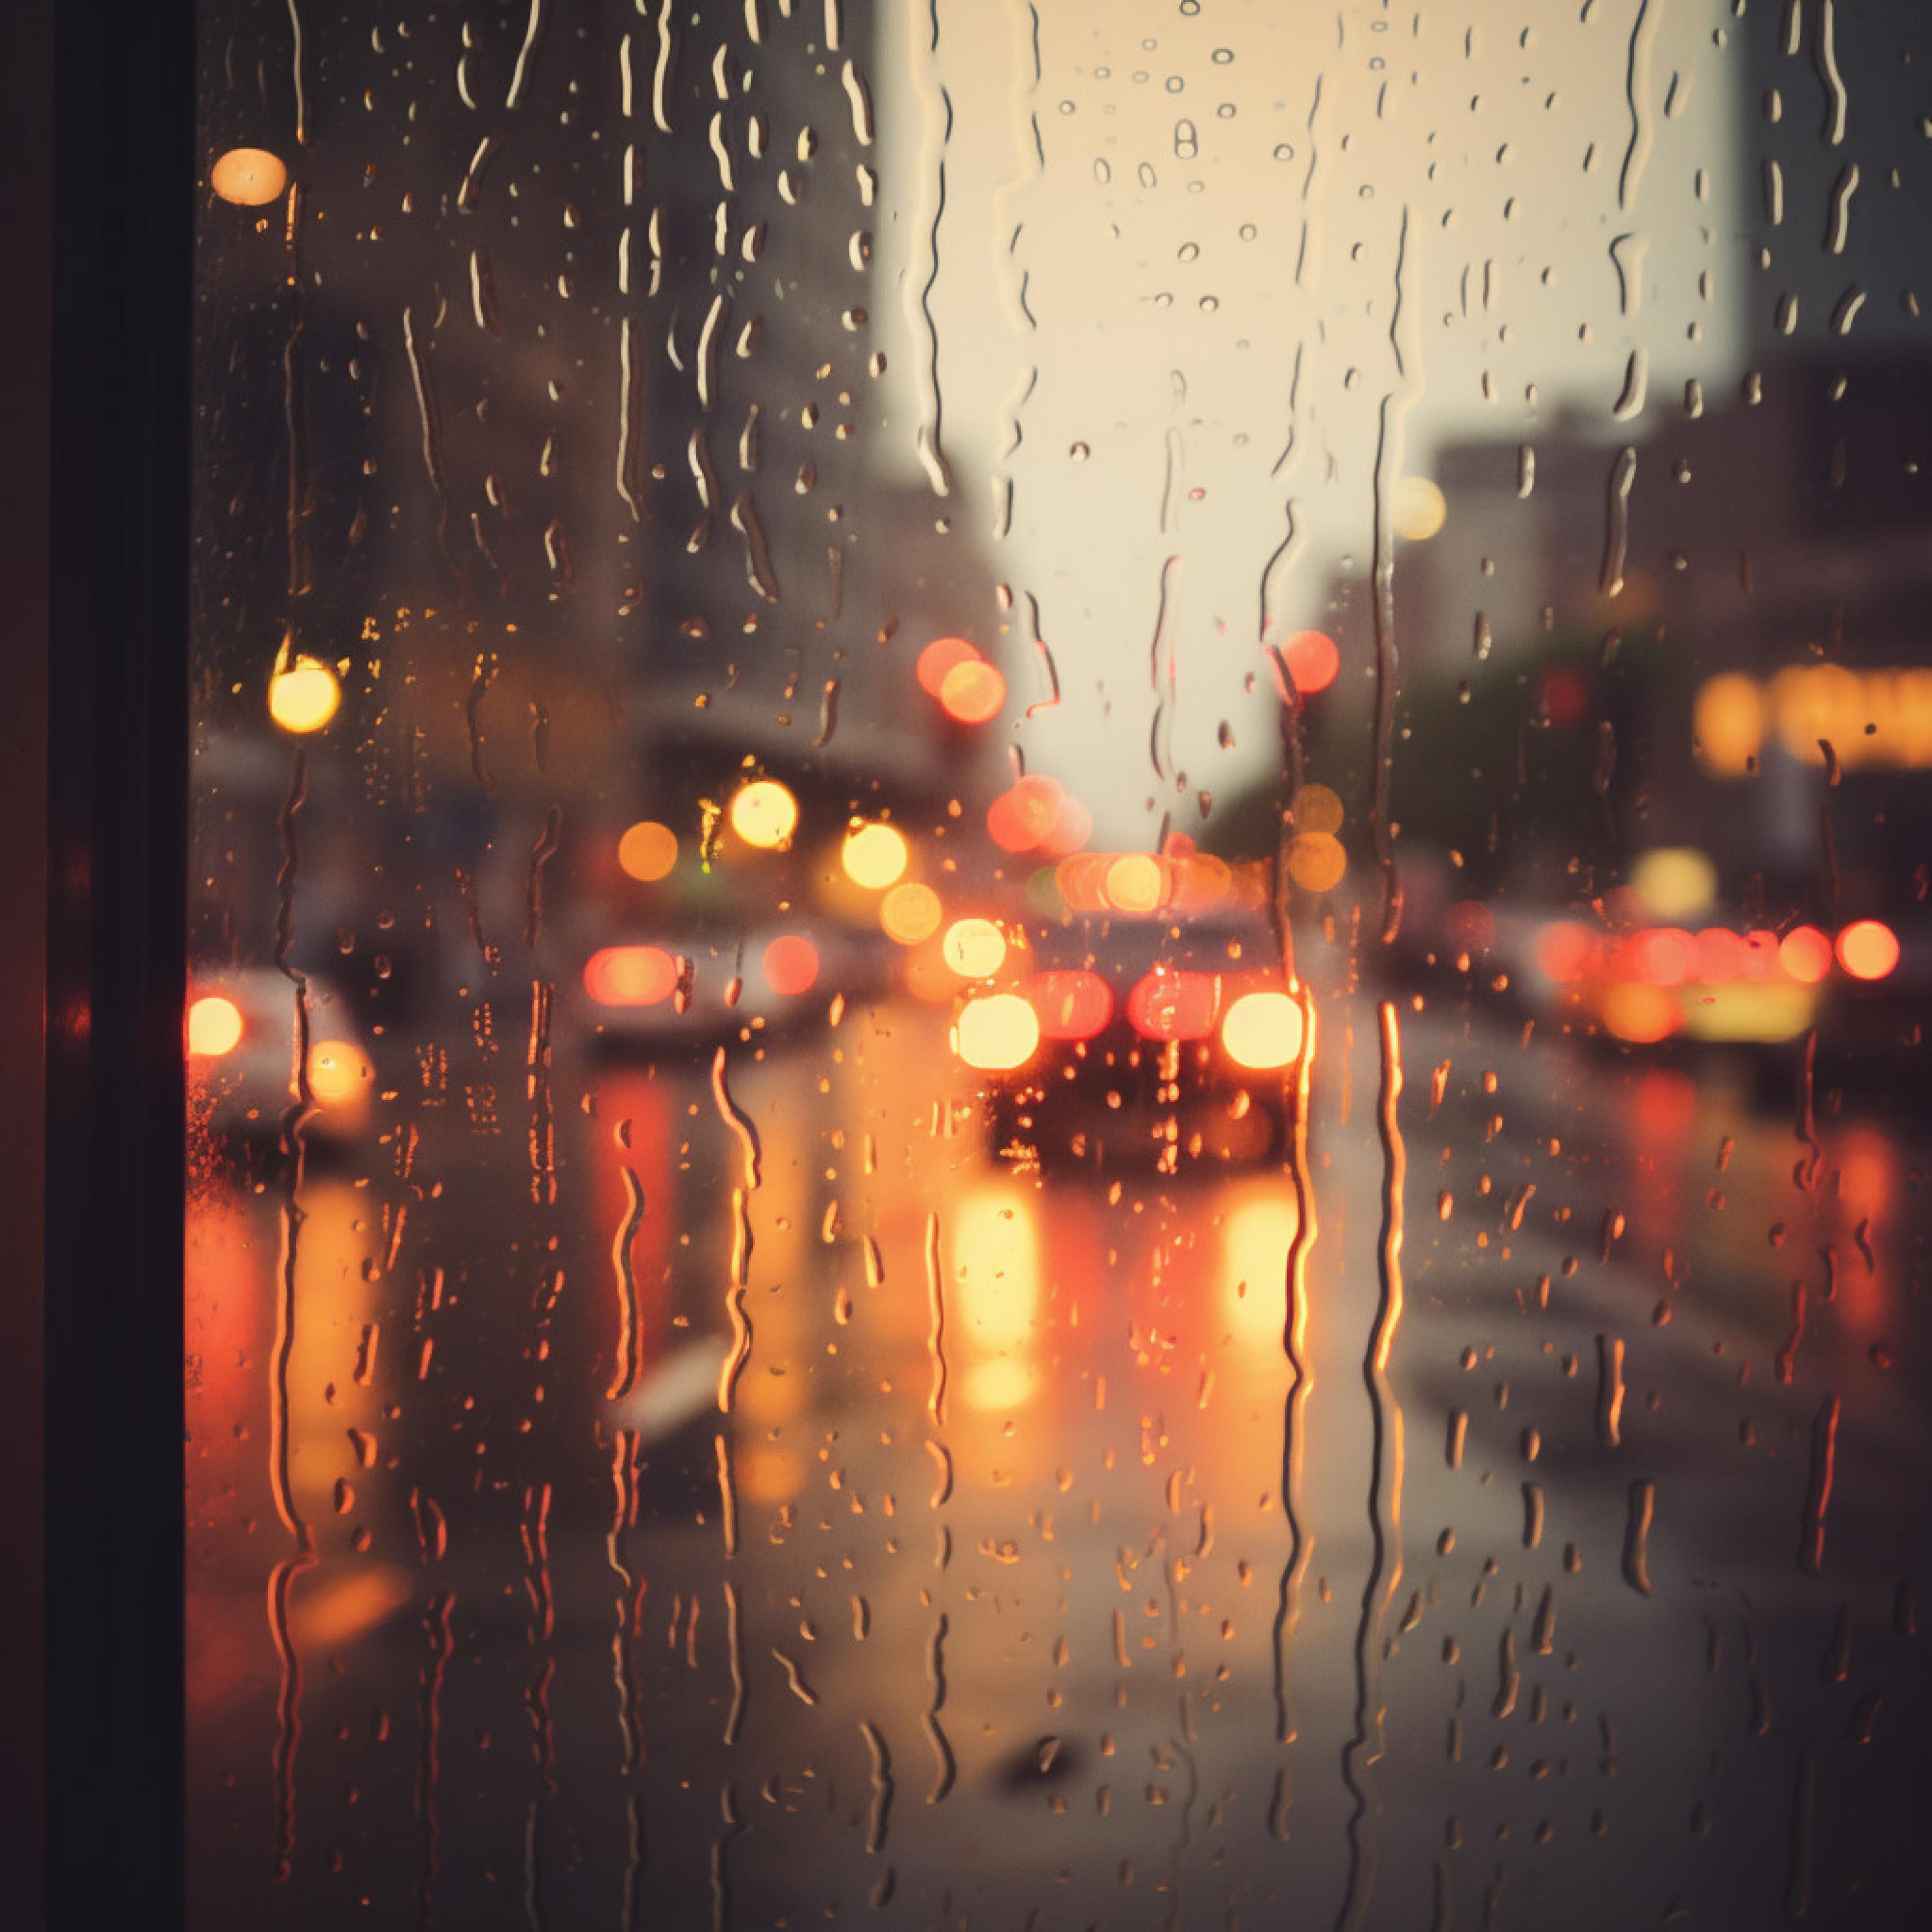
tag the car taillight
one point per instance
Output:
(630, 976)
(997, 1033)
(1074, 1005)
(1174, 1006)
(1262, 1030)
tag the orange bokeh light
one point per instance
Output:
(647, 851)
(1312, 660)
(1867, 948)
(630, 976)
(938, 658)
(972, 692)
(1805, 953)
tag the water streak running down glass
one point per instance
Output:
(1059, 949)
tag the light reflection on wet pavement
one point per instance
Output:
(981, 1602)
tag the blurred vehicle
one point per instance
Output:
(241, 1043)
(703, 984)
(1152, 1019)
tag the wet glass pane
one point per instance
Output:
(1059, 945)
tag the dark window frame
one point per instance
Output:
(100, 133)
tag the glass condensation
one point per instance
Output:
(1059, 947)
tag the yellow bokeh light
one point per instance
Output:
(873, 855)
(214, 1027)
(1316, 808)
(975, 949)
(1418, 510)
(1262, 1030)
(647, 851)
(997, 1033)
(1135, 883)
(1675, 882)
(248, 177)
(336, 1073)
(303, 697)
(909, 914)
(764, 814)
(1316, 861)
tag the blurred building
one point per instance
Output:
(541, 410)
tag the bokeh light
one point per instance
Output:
(1805, 953)
(873, 855)
(910, 913)
(1675, 882)
(940, 656)
(975, 949)
(1315, 807)
(764, 814)
(338, 1073)
(214, 1027)
(1661, 956)
(647, 851)
(1316, 862)
(791, 965)
(248, 177)
(1867, 948)
(1312, 660)
(1418, 509)
(1727, 720)
(972, 692)
(996, 1032)
(303, 697)
(1135, 883)
(1071, 1003)
(1641, 1015)
(1262, 1030)
(630, 976)
(1564, 950)
(1174, 1006)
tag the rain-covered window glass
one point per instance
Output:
(1059, 942)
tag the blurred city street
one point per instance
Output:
(980, 1605)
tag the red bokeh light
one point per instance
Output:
(1660, 956)
(1174, 1006)
(1072, 1005)
(1312, 660)
(791, 965)
(1564, 951)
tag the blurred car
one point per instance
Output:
(240, 1036)
(1147, 1028)
(657, 984)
